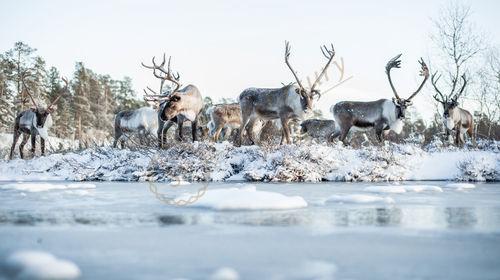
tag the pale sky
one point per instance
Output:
(224, 47)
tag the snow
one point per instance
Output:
(245, 198)
(204, 161)
(225, 273)
(40, 187)
(359, 198)
(403, 189)
(39, 265)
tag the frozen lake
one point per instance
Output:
(409, 230)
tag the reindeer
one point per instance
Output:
(289, 102)
(454, 117)
(34, 121)
(176, 106)
(223, 116)
(144, 121)
(317, 129)
(383, 115)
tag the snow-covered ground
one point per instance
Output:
(204, 161)
(333, 230)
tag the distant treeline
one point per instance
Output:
(89, 108)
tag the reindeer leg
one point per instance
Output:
(42, 145)
(217, 133)
(286, 129)
(379, 130)
(23, 142)
(16, 137)
(249, 129)
(194, 126)
(179, 130)
(33, 144)
(159, 133)
(344, 131)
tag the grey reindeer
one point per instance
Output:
(383, 115)
(287, 103)
(317, 129)
(34, 121)
(454, 118)
(176, 106)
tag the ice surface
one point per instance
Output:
(38, 265)
(40, 187)
(122, 231)
(245, 198)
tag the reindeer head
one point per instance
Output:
(172, 106)
(41, 113)
(307, 95)
(164, 99)
(401, 103)
(449, 102)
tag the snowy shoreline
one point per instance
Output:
(203, 161)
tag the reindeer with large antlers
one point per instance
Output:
(455, 118)
(286, 103)
(177, 105)
(35, 121)
(383, 115)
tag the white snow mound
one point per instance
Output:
(460, 186)
(246, 198)
(359, 198)
(225, 273)
(39, 265)
(40, 187)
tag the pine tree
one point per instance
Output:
(20, 59)
(81, 105)
(6, 97)
(62, 116)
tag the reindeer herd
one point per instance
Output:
(288, 104)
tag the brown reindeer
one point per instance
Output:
(223, 116)
(454, 117)
(176, 106)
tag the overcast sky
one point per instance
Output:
(224, 47)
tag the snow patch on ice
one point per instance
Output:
(460, 186)
(245, 198)
(403, 189)
(225, 273)
(41, 187)
(359, 198)
(39, 265)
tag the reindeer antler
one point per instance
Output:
(393, 63)
(23, 75)
(168, 73)
(434, 81)
(424, 71)
(287, 55)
